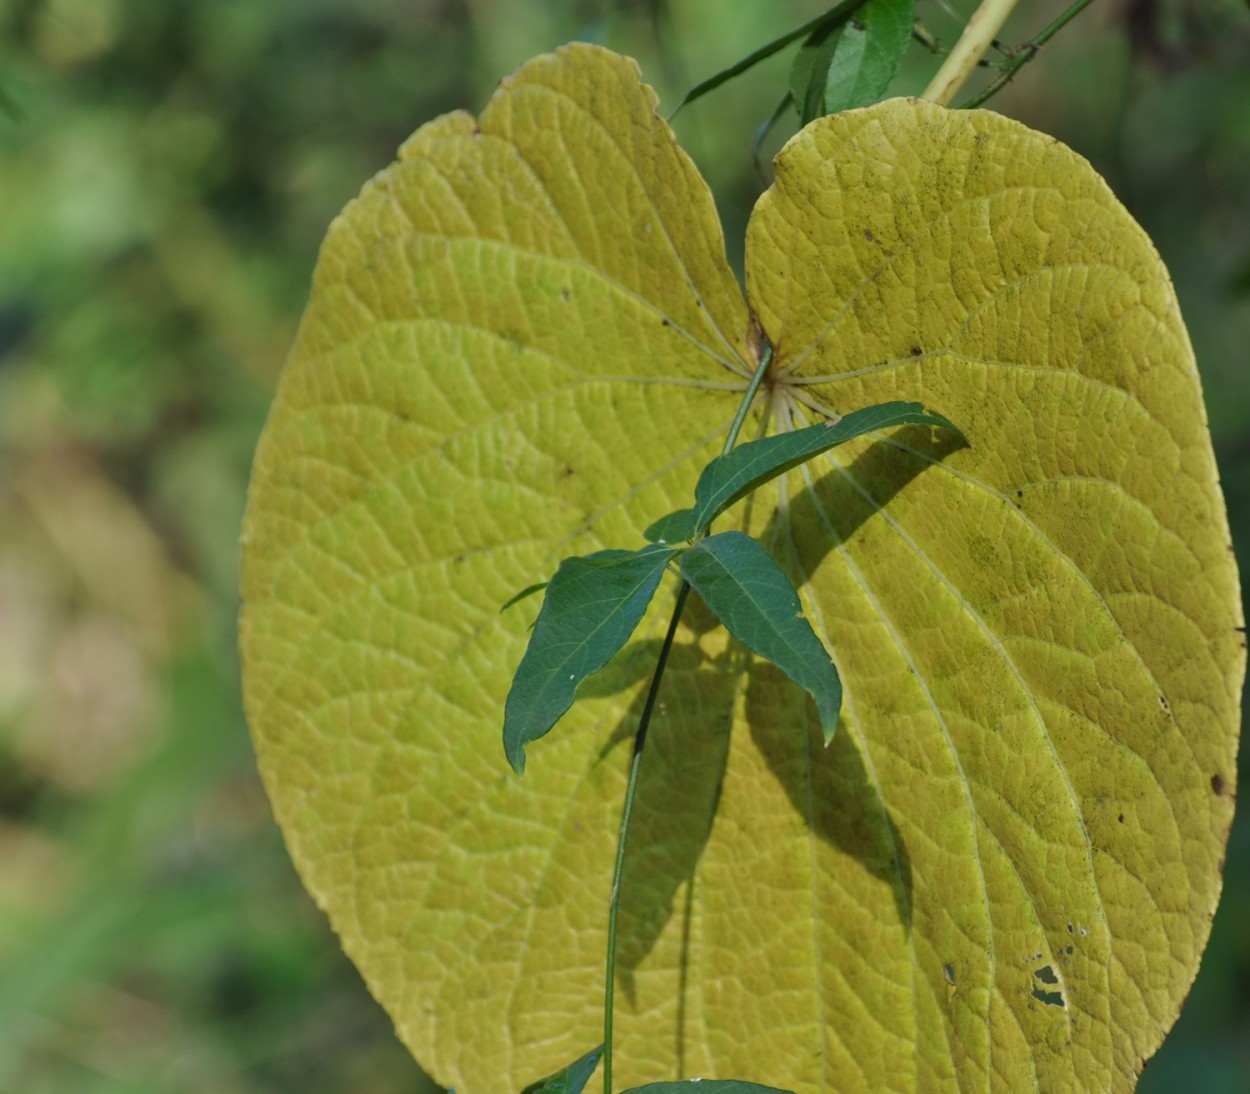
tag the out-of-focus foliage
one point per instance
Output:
(160, 206)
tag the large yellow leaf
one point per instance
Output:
(523, 342)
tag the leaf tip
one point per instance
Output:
(515, 754)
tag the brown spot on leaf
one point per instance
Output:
(1217, 783)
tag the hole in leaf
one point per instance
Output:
(1047, 975)
(1050, 998)
(949, 972)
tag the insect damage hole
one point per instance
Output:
(1047, 977)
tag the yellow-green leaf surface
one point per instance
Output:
(523, 343)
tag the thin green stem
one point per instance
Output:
(640, 741)
(1025, 53)
(748, 397)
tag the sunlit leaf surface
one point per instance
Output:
(523, 343)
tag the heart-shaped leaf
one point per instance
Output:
(524, 342)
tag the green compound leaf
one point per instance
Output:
(675, 527)
(524, 342)
(852, 62)
(746, 591)
(731, 477)
(593, 605)
(571, 1079)
(705, 1086)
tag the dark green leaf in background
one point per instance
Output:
(745, 590)
(811, 64)
(568, 1080)
(851, 63)
(591, 608)
(834, 17)
(731, 477)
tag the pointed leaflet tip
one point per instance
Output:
(745, 590)
(591, 608)
(516, 598)
(568, 1080)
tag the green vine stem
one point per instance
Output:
(977, 37)
(1025, 53)
(640, 740)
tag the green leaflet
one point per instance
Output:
(675, 527)
(568, 1080)
(807, 73)
(591, 608)
(730, 477)
(746, 591)
(852, 62)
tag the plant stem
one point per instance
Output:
(1026, 53)
(640, 741)
(748, 397)
(977, 37)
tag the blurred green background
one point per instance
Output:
(167, 170)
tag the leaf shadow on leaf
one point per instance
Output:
(684, 765)
(828, 787)
(680, 783)
(837, 497)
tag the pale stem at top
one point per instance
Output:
(977, 37)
